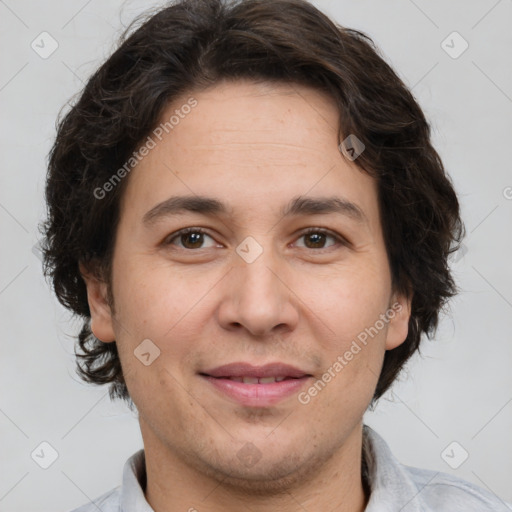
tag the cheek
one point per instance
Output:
(354, 335)
(155, 314)
(349, 299)
(146, 292)
(160, 303)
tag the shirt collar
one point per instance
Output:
(134, 484)
(391, 486)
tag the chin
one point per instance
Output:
(266, 477)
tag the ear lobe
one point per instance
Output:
(101, 313)
(399, 314)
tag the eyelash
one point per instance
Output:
(308, 231)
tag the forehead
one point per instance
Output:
(249, 144)
(245, 114)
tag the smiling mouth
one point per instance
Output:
(256, 391)
(254, 380)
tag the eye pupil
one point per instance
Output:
(317, 237)
(195, 243)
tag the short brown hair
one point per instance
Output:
(192, 44)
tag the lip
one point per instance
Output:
(241, 369)
(256, 395)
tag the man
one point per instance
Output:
(246, 210)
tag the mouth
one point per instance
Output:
(256, 386)
(254, 380)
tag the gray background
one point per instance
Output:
(459, 390)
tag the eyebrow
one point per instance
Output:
(297, 206)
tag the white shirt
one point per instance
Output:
(394, 487)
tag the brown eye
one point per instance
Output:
(316, 238)
(189, 238)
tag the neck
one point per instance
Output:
(177, 484)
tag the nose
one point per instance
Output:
(256, 297)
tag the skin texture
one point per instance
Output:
(303, 301)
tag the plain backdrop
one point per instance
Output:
(459, 389)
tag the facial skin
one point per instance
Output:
(303, 301)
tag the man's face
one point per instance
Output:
(253, 288)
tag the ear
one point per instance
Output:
(398, 313)
(101, 314)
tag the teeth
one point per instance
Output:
(250, 380)
(256, 380)
(267, 380)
